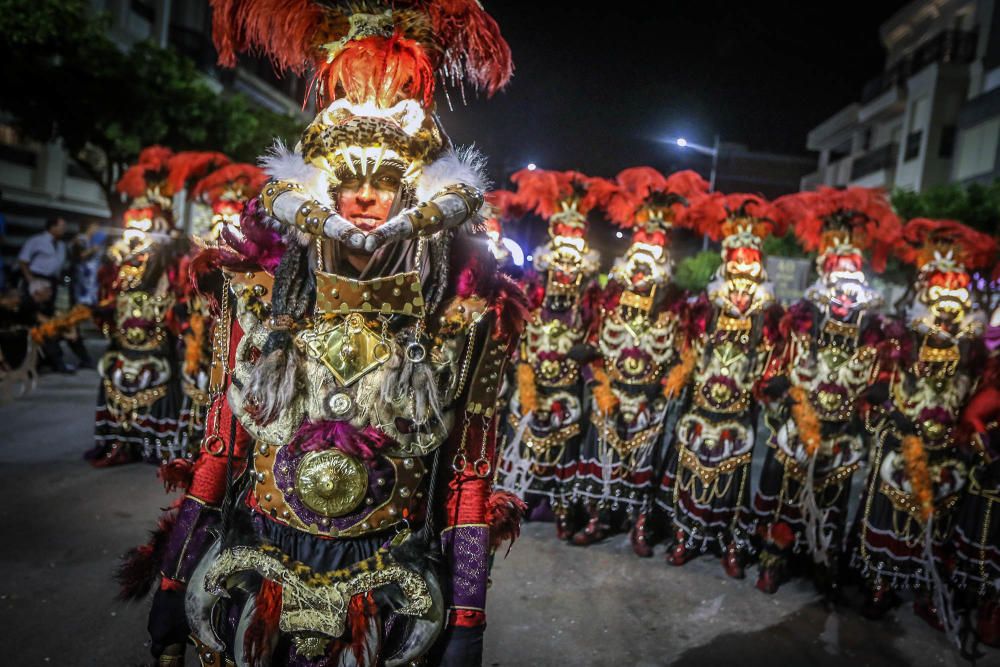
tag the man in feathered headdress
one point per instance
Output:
(545, 418)
(641, 362)
(139, 398)
(734, 333)
(363, 330)
(830, 359)
(916, 475)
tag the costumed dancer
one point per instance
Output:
(139, 397)
(350, 445)
(916, 476)
(194, 320)
(736, 341)
(642, 360)
(816, 440)
(977, 523)
(547, 408)
(223, 194)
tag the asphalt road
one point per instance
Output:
(64, 525)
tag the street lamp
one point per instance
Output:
(532, 166)
(704, 150)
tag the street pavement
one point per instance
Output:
(65, 524)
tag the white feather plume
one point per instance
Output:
(284, 164)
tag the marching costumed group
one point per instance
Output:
(359, 403)
(637, 407)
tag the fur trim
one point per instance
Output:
(462, 165)
(272, 385)
(284, 164)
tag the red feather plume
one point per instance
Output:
(922, 236)
(865, 211)
(541, 190)
(155, 156)
(379, 69)
(707, 215)
(282, 30)
(189, 166)
(246, 178)
(473, 44)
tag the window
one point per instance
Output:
(977, 149)
(947, 146)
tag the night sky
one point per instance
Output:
(598, 89)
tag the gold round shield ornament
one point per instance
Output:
(330, 482)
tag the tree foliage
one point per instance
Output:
(65, 78)
(975, 205)
(694, 272)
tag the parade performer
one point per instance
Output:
(642, 359)
(186, 170)
(222, 194)
(139, 397)
(546, 410)
(977, 523)
(350, 445)
(916, 475)
(735, 334)
(817, 439)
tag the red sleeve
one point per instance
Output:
(224, 434)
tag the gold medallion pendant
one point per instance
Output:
(347, 347)
(331, 482)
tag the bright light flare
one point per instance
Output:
(682, 142)
(532, 166)
(516, 254)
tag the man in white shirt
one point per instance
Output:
(42, 258)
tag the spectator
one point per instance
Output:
(42, 258)
(85, 258)
(28, 312)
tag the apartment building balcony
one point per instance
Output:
(874, 160)
(948, 46)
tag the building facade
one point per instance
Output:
(932, 116)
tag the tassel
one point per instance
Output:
(504, 512)
(177, 474)
(262, 632)
(950, 620)
(141, 565)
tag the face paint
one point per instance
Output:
(365, 200)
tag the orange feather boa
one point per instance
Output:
(915, 459)
(678, 376)
(57, 326)
(806, 421)
(194, 344)
(527, 392)
(603, 396)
